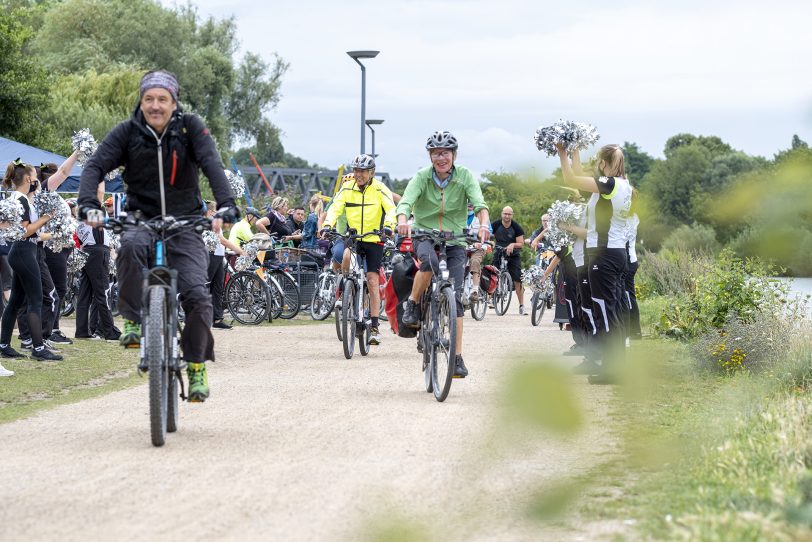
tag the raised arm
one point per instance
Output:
(581, 182)
(62, 173)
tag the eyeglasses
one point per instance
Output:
(444, 153)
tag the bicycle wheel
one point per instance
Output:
(291, 295)
(68, 303)
(157, 353)
(172, 402)
(348, 318)
(444, 343)
(424, 346)
(539, 304)
(480, 306)
(277, 298)
(112, 298)
(247, 298)
(363, 326)
(502, 295)
(323, 300)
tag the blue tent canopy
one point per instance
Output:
(11, 150)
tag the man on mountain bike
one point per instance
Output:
(161, 149)
(438, 198)
(368, 206)
(510, 236)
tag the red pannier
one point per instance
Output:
(489, 278)
(398, 288)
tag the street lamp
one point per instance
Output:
(355, 55)
(370, 123)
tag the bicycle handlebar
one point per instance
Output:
(157, 224)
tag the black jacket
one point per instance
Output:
(185, 145)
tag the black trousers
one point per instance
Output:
(188, 255)
(58, 266)
(633, 321)
(93, 292)
(26, 289)
(571, 297)
(607, 274)
(455, 262)
(585, 300)
(217, 277)
(50, 301)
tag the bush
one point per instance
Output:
(727, 288)
(668, 273)
(696, 239)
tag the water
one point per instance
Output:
(802, 286)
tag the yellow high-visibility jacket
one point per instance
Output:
(367, 210)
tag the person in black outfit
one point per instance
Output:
(22, 258)
(158, 129)
(94, 285)
(276, 223)
(510, 235)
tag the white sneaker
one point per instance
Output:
(5, 372)
(521, 310)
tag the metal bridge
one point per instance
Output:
(304, 181)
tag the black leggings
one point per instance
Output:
(607, 274)
(217, 277)
(58, 265)
(26, 286)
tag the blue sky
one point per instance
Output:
(492, 72)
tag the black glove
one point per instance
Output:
(84, 210)
(387, 231)
(230, 215)
(325, 230)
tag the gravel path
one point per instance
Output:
(298, 443)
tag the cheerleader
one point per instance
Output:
(23, 259)
(607, 217)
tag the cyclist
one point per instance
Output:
(510, 236)
(475, 262)
(438, 198)
(181, 143)
(241, 231)
(368, 206)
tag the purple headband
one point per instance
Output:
(160, 79)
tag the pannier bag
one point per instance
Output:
(397, 291)
(488, 278)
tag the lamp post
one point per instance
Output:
(356, 55)
(370, 123)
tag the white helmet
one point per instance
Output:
(363, 161)
(441, 140)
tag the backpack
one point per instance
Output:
(489, 278)
(397, 291)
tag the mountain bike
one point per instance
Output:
(479, 304)
(324, 294)
(542, 300)
(437, 338)
(160, 345)
(504, 287)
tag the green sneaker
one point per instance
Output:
(198, 382)
(131, 337)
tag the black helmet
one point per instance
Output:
(252, 211)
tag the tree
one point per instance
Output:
(675, 181)
(638, 163)
(24, 86)
(95, 36)
(713, 144)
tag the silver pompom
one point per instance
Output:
(572, 135)
(10, 219)
(76, 261)
(84, 142)
(50, 203)
(62, 229)
(115, 241)
(247, 259)
(533, 279)
(563, 212)
(211, 240)
(237, 183)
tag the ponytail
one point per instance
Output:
(15, 172)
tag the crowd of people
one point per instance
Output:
(598, 267)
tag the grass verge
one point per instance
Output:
(707, 457)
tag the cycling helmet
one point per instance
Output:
(252, 211)
(363, 161)
(441, 140)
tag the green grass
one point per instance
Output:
(707, 457)
(89, 369)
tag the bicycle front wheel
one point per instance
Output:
(480, 306)
(247, 298)
(172, 402)
(539, 304)
(502, 295)
(362, 326)
(291, 300)
(324, 297)
(348, 320)
(157, 353)
(444, 343)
